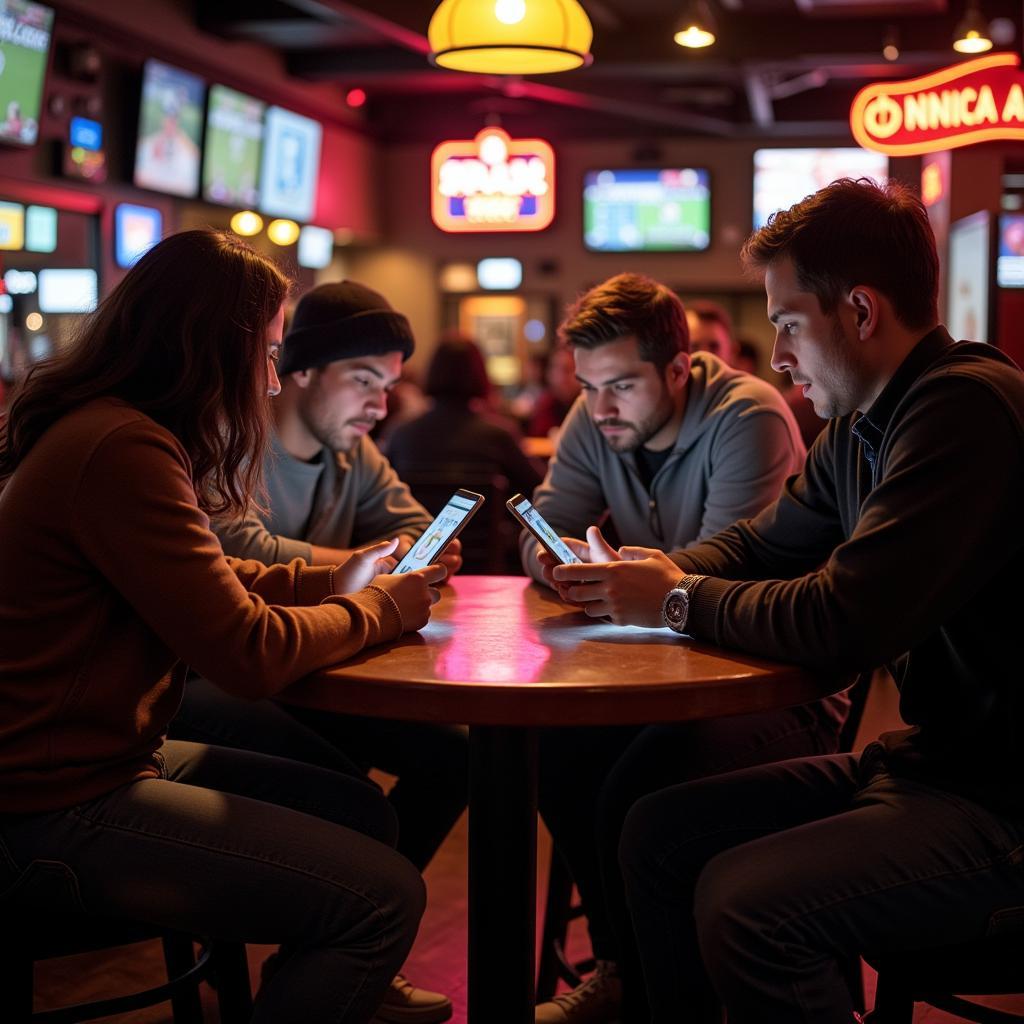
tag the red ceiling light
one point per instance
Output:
(355, 98)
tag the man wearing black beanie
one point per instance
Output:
(331, 490)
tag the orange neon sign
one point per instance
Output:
(492, 183)
(977, 101)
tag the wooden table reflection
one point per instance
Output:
(506, 656)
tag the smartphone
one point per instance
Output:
(461, 507)
(523, 510)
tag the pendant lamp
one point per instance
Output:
(510, 37)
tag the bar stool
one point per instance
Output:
(47, 936)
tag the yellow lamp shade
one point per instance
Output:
(510, 37)
(283, 232)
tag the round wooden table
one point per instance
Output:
(505, 656)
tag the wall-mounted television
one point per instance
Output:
(647, 210)
(1010, 254)
(783, 177)
(136, 230)
(170, 130)
(25, 32)
(969, 278)
(40, 229)
(291, 165)
(67, 290)
(12, 226)
(233, 147)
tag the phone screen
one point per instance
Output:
(539, 527)
(432, 541)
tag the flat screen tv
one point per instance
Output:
(136, 230)
(291, 165)
(783, 177)
(170, 130)
(67, 290)
(968, 278)
(25, 32)
(1010, 254)
(638, 210)
(233, 147)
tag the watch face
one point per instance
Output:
(676, 606)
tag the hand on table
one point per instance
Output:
(413, 593)
(363, 564)
(628, 587)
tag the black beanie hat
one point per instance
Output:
(341, 321)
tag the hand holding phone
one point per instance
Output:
(524, 512)
(426, 550)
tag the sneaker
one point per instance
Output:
(598, 1000)
(404, 1003)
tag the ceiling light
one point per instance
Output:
(891, 43)
(510, 37)
(697, 29)
(283, 232)
(971, 35)
(246, 223)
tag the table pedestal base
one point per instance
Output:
(502, 874)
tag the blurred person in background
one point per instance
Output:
(748, 357)
(711, 330)
(459, 434)
(560, 392)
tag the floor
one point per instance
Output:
(437, 960)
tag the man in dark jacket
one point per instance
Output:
(897, 546)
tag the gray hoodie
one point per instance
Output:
(737, 444)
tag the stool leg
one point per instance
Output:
(893, 1003)
(179, 957)
(234, 994)
(853, 975)
(556, 926)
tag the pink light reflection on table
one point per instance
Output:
(490, 649)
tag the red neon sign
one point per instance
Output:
(492, 183)
(977, 101)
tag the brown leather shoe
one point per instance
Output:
(598, 1000)
(404, 1003)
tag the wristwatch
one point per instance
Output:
(675, 609)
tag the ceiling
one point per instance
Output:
(780, 69)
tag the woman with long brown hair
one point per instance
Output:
(112, 456)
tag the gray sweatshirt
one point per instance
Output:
(737, 444)
(342, 500)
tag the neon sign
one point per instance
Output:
(492, 183)
(977, 101)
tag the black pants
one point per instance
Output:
(754, 886)
(240, 846)
(431, 761)
(591, 777)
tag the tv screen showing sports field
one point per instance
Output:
(170, 130)
(639, 210)
(233, 147)
(782, 177)
(25, 31)
(291, 165)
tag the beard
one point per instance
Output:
(636, 434)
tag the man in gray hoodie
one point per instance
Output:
(665, 449)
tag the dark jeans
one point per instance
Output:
(591, 777)
(237, 846)
(755, 885)
(431, 761)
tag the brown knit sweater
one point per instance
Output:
(110, 584)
